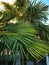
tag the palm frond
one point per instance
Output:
(25, 38)
(20, 37)
(7, 6)
(33, 46)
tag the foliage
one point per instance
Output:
(19, 38)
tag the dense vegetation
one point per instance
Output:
(26, 35)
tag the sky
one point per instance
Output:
(12, 1)
(45, 1)
(9, 1)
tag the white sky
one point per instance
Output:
(9, 1)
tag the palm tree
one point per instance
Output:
(19, 37)
(36, 12)
(43, 31)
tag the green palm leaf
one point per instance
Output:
(25, 38)
(19, 38)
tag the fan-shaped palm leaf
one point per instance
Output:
(24, 38)
(19, 37)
